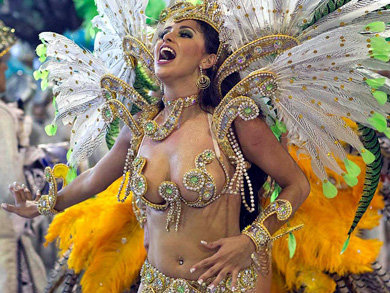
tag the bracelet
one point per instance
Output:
(263, 239)
(258, 232)
(47, 202)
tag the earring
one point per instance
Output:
(203, 81)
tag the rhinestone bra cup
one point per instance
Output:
(198, 180)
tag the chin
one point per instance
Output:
(165, 74)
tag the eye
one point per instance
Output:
(162, 34)
(186, 34)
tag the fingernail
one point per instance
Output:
(192, 270)
(23, 186)
(200, 281)
(4, 205)
(203, 242)
(210, 287)
(233, 288)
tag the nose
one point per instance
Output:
(168, 37)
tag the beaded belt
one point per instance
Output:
(154, 281)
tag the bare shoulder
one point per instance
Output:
(253, 132)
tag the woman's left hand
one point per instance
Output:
(232, 255)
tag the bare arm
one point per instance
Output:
(89, 183)
(98, 178)
(260, 146)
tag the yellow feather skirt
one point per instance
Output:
(107, 242)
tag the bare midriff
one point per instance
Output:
(174, 253)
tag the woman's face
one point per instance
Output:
(179, 51)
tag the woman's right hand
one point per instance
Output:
(24, 206)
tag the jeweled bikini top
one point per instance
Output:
(197, 179)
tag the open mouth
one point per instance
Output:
(166, 54)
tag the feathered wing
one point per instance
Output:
(86, 95)
(116, 20)
(314, 80)
(75, 74)
(265, 29)
(320, 81)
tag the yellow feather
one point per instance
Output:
(326, 225)
(106, 241)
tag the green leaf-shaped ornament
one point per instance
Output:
(292, 244)
(329, 190)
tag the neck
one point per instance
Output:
(179, 89)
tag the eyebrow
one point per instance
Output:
(181, 27)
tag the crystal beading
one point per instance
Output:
(157, 132)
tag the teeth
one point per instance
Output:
(166, 53)
(168, 49)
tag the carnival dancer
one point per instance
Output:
(192, 159)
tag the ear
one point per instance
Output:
(208, 61)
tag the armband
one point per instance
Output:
(47, 202)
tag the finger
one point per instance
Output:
(221, 276)
(38, 195)
(211, 272)
(207, 262)
(234, 280)
(212, 245)
(9, 208)
(28, 194)
(15, 190)
(22, 193)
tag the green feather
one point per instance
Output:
(329, 190)
(275, 194)
(292, 244)
(376, 83)
(367, 156)
(345, 245)
(373, 158)
(350, 180)
(387, 132)
(71, 175)
(381, 97)
(276, 131)
(281, 126)
(112, 133)
(266, 186)
(380, 49)
(378, 121)
(352, 168)
(51, 129)
(376, 27)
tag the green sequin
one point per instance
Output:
(269, 87)
(248, 110)
(149, 126)
(194, 180)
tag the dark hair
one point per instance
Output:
(210, 99)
